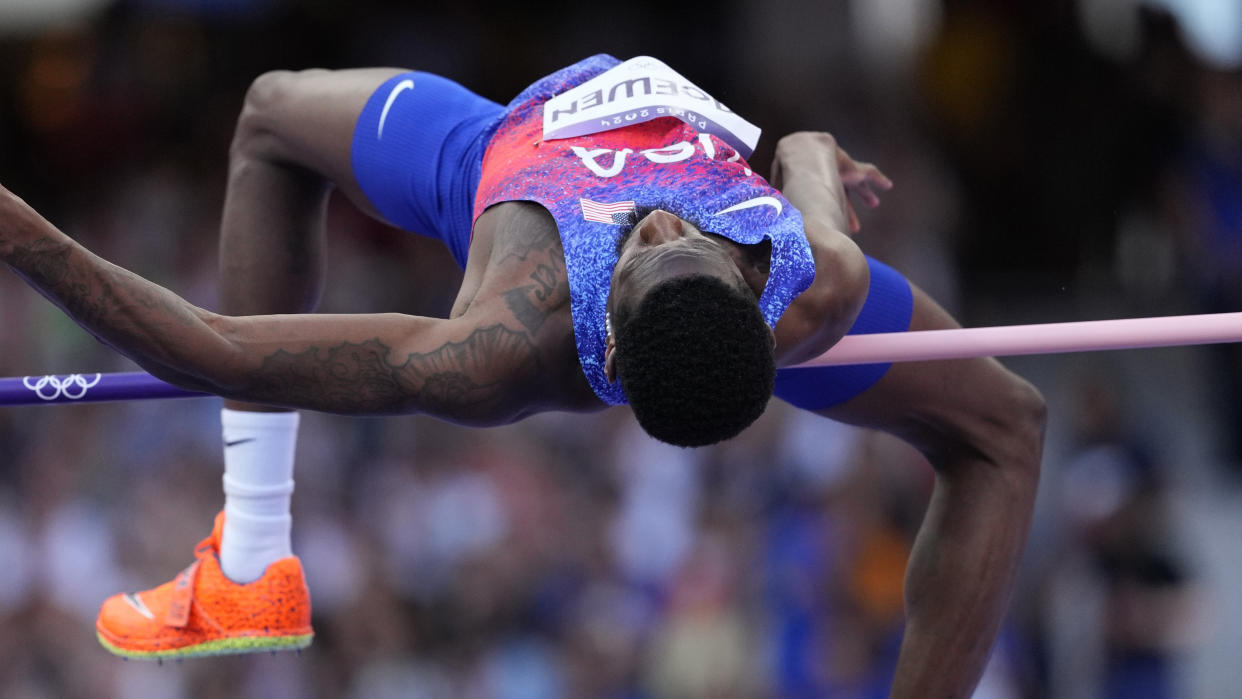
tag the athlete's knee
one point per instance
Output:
(269, 102)
(995, 429)
(1014, 436)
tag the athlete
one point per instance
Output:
(639, 260)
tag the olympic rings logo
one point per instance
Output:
(72, 387)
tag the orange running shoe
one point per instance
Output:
(202, 612)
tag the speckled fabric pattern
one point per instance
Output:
(664, 163)
(202, 612)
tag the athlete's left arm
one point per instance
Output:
(818, 177)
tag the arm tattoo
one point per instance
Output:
(106, 300)
(523, 234)
(531, 304)
(482, 377)
(457, 380)
(545, 276)
(46, 265)
(529, 315)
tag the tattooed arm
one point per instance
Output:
(474, 368)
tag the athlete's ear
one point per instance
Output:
(772, 334)
(610, 359)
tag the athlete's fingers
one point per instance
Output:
(858, 173)
(865, 194)
(876, 178)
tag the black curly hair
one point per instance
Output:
(695, 360)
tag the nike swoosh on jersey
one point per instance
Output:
(235, 442)
(397, 89)
(752, 203)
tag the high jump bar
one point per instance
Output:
(923, 345)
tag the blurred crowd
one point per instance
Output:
(1061, 160)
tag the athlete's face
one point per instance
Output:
(661, 246)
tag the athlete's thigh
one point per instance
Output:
(941, 402)
(308, 118)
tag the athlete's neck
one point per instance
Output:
(754, 261)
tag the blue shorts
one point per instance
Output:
(888, 309)
(418, 156)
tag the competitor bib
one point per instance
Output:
(638, 90)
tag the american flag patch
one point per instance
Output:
(603, 212)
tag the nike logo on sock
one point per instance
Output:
(235, 442)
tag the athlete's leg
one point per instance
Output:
(293, 142)
(981, 427)
(403, 146)
(291, 145)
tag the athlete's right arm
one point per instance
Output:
(465, 369)
(817, 177)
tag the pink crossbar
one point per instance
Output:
(1047, 338)
(958, 343)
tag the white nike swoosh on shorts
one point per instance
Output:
(751, 203)
(397, 89)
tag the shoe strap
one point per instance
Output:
(205, 548)
(182, 596)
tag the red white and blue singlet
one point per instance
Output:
(431, 156)
(664, 163)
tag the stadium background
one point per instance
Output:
(1058, 160)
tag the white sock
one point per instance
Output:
(258, 487)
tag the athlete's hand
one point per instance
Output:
(834, 176)
(861, 180)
